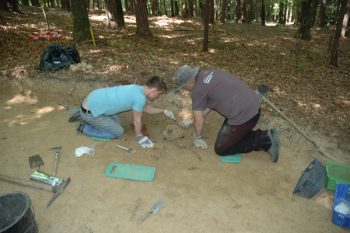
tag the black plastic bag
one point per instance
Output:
(56, 57)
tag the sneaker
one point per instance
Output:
(275, 144)
(81, 127)
(75, 117)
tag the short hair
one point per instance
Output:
(157, 83)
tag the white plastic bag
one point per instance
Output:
(84, 150)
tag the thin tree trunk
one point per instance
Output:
(155, 7)
(314, 7)
(263, 13)
(172, 8)
(81, 24)
(304, 32)
(142, 24)
(35, 3)
(120, 14)
(223, 11)
(211, 12)
(206, 25)
(165, 10)
(24, 2)
(335, 41)
(322, 14)
(65, 5)
(238, 11)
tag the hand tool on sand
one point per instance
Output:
(56, 189)
(57, 150)
(128, 149)
(155, 210)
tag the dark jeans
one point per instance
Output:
(234, 139)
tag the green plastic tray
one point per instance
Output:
(130, 171)
(337, 174)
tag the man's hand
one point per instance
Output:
(169, 114)
(200, 142)
(144, 141)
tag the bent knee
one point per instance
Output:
(118, 133)
(218, 150)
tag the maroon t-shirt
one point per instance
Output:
(225, 94)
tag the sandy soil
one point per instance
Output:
(201, 194)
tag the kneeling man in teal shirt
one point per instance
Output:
(99, 111)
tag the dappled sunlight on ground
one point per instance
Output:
(25, 98)
(24, 119)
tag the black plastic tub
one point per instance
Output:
(16, 213)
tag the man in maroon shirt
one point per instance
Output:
(229, 96)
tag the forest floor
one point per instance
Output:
(201, 194)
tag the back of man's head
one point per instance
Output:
(156, 82)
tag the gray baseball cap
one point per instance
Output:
(184, 75)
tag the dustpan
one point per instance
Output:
(130, 171)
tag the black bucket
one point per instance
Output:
(16, 213)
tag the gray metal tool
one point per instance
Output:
(56, 189)
(155, 210)
(57, 151)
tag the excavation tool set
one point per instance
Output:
(41, 180)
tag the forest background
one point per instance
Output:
(300, 48)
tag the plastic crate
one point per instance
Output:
(337, 174)
(312, 180)
(341, 197)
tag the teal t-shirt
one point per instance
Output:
(112, 100)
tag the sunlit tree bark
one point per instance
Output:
(345, 25)
(81, 24)
(336, 37)
(142, 24)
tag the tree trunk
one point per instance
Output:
(206, 24)
(211, 12)
(165, 10)
(281, 13)
(322, 14)
(172, 8)
(223, 11)
(81, 24)
(304, 32)
(190, 8)
(345, 26)
(120, 14)
(35, 3)
(177, 8)
(335, 41)
(25, 2)
(111, 9)
(155, 7)
(142, 24)
(65, 5)
(263, 13)
(314, 7)
(239, 11)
